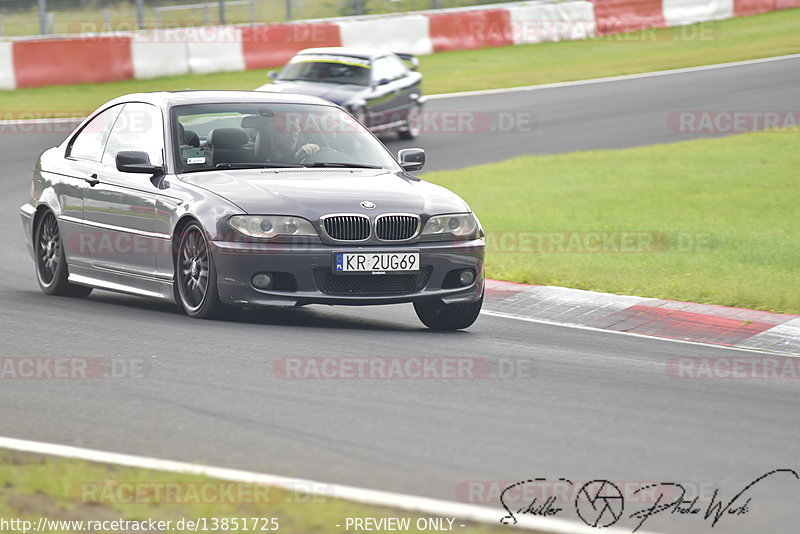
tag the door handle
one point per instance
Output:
(92, 180)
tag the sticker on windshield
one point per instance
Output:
(324, 58)
(193, 155)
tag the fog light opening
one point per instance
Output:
(262, 281)
(466, 277)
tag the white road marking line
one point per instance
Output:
(504, 315)
(608, 79)
(410, 503)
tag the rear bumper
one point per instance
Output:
(27, 212)
(236, 264)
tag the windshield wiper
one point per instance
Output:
(345, 165)
(255, 165)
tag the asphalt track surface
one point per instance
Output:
(597, 406)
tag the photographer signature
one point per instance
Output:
(600, 503)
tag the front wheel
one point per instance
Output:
(438, 316)
(196, 275)
(51, 262)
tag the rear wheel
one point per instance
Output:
(438, 316)
(413, 123)
(196, 275)
(51, 262)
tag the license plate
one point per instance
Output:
(376, 262)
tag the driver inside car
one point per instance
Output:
(286, 146)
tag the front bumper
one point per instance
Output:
(27, 212)
(237, 262)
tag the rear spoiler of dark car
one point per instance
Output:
(411, 58)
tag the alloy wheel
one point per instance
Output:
(193, 274)
(48, 249)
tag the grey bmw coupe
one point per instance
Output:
(248, 199)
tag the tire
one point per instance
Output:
(52, 271)
(196, 275)
(413, 124)
(438, 316)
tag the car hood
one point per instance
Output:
(335, 92)
(312, 193)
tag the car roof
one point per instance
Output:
(168, 99)
(363, 53)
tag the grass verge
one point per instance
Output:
(770, 34)
(712, 221)
(32, 487)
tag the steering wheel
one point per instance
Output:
(310, 158)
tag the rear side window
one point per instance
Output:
(139, 127)
(91, 140)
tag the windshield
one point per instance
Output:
(329, 69)
(229, 136)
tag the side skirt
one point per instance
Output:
(141, 286)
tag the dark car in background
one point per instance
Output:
(247, 199)
(381, 89)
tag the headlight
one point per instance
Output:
(268, 226)
(455, 224)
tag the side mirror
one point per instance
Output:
(135, 161)
(411, 159)
(272, 75)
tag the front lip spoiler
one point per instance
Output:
(276, 298)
